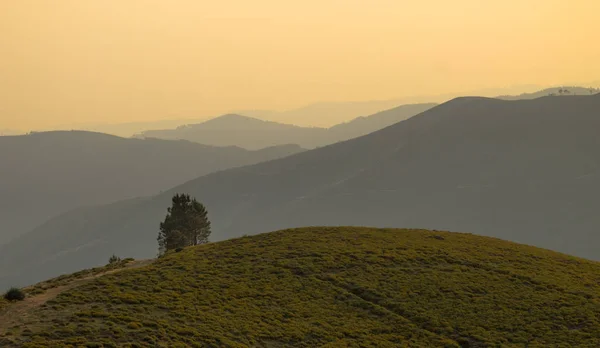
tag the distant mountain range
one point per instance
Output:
(243, 131)
(554, 91)
(128, 129)
(326, 114)
(526, 171)
(322, 114)
(252, 133)
(45, 174)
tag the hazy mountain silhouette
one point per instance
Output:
(527, 171)
(321, 114)
(325, 114)
(252, 133)
(243, 131)
(566, 91)
(128, 129)
(44, 174)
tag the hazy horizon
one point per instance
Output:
(269, 114)
(112, 62)
(128, 129)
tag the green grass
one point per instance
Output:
(335, 287)
(68, 278)
(65, 279)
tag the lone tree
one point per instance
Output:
(186, 224)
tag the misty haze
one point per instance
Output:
(299, 174)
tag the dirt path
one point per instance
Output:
(20, 312)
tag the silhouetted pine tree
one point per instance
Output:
(186, 224)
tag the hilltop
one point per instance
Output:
(49, 173)
(525, 171)
(243, 131)
(333, 287)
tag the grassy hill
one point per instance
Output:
(333, 287)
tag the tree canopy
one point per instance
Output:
(186, 224)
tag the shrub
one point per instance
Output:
(134, 325)
(37, 291)
(114, 259)
(94, 345)
(14, 294)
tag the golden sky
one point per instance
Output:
(69, 61)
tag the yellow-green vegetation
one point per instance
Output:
(68, 278)
(333, 287)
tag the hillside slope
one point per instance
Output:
(45, 174)
(526, 171)
(368, 124)
(333, 287)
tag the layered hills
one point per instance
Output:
(323, 287)
(49, 173)
(526, 171)
(253, 133)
